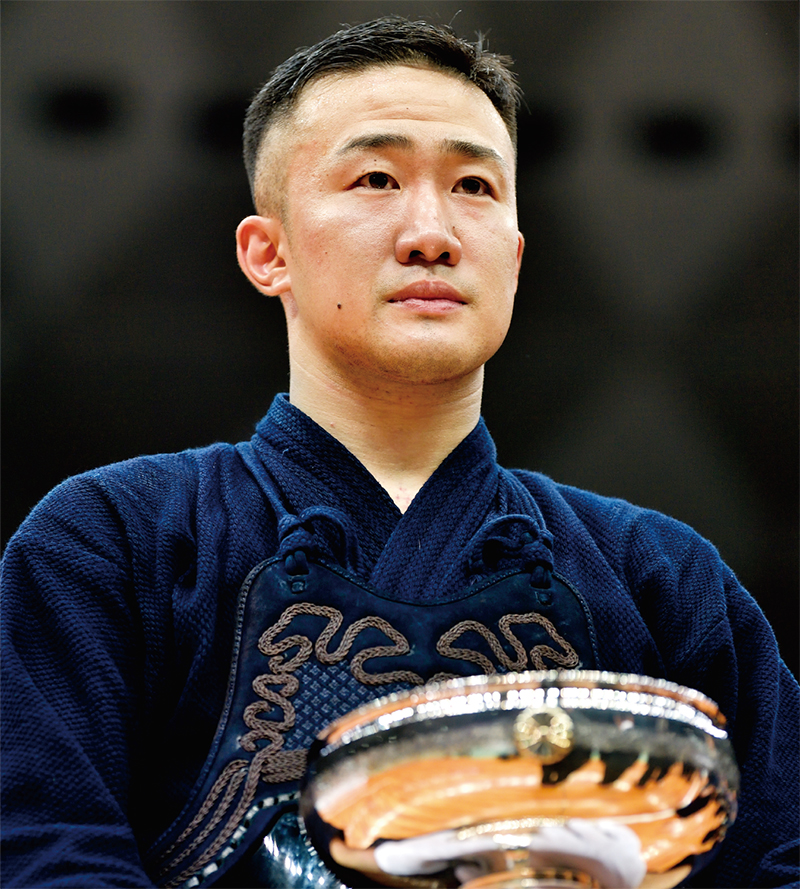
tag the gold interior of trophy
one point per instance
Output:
(417, 798)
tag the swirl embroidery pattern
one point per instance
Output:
(271, 763)
(569, 658)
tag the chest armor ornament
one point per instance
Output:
(313, 642)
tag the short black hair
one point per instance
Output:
(384, 41)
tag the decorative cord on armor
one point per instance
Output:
(523, 545)
(568, 658)
(300, 539)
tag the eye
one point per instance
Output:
(473, 186)
(379, 181)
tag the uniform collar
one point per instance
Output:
(411, 556)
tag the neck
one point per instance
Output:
(400, 433)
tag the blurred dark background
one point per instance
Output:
(654, 353)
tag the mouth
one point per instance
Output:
(428, 296)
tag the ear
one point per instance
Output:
(261, 250)
(520, 250)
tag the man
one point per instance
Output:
(363, 531)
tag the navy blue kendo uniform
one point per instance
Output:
(133, 752)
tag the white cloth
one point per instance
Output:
(605, 850)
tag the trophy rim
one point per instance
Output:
(490, 692)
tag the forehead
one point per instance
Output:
(422, 103)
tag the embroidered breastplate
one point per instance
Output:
(314, 643)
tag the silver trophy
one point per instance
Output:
(544, 779)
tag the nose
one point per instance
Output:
(427, 234)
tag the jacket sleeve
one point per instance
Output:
(713, 637)
(71, 653)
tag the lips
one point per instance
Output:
(437, 295)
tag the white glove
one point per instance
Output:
(605, 850)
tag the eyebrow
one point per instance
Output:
(473, 151)
(462, 147)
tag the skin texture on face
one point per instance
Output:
(396, 253)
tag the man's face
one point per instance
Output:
(399, 229)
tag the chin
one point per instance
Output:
(436, 367)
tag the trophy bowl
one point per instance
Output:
(468, 775)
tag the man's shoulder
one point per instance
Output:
(138, 491)
(614, 523)
(556, 495)
(148, 476)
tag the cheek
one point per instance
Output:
(497, 257)
(343, 242)
(496, 252)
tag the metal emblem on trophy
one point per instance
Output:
(545, 779)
